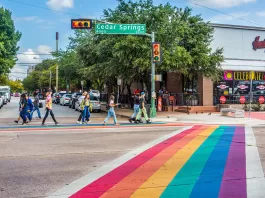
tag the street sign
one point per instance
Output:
(82, 82)
(103, 28)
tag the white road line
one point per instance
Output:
(84, 181)
(254, 171)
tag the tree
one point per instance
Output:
(9, 38)
(16, 86)
(185, 41)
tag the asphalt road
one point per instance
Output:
(37, 163)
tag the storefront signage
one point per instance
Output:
(242, 99)
(261, 99)
(262, 87)
(257, 44)
(243, 75)
(222, 86)
(242, 86)
(222, 99)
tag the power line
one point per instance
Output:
(242, 19)
(44, 8)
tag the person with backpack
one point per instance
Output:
(135, 108)
(81, 114)
(86, 106)
(142, 109)
(111, 112)
(48, 109)
(19, 109)
(30, 108)
(36, 105)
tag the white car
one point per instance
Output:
(65, 99)
(1, 102)
(4, 97)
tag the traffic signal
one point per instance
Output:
(157, 56)
(81, 24)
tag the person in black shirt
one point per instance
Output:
(24, 109)
(135, 107)
(142, 109)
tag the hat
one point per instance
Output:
(142, 93)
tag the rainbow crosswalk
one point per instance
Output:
(202, 161)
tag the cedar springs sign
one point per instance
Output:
(120, 29)
(243, 75)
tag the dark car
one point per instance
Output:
(74, 99)
(58, 97)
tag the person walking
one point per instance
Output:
(135, 108)
(48, 109)
(111, 112)
(24, 109)
(36, 105)
(30, 107)
(86, 105)
(81, 114)
(142, 109)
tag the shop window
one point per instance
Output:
(241, 87)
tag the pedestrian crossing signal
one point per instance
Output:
(81, 24)
(157, 57)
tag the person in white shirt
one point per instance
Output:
(111, 112)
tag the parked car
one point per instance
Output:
(58, 97)
(4, 96)
(96, 105)
(95, 93)
(1, 102)
(65, 99)
(17, 94)
(12, 94)
(73, 100)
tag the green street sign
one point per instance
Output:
(120, 29)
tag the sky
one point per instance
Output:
(39, 20)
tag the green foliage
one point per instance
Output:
(185, 41)
(9, 38)
(16, 86)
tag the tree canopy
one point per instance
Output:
(9, 38)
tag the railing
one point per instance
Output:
(237, 99)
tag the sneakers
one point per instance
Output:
(104, 123)
(24, 123)
(16, 121)
(78, 122)
(43, 124)
(148, 121)
(130, 120)
(56, 123)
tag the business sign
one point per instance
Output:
(244, 75)
(242, 99)
(257, 44)
(120, 28)
(261, 99)
(222, 100)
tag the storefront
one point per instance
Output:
(244, 52)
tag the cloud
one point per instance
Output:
(261, 14)
(27, 18)
(223, 18)
(44, 49)
(26, 59)
(222, 3)
(60, 4)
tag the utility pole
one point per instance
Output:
(57, 66)
(50, 79)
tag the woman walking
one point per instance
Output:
(81, 114)
(19, 109)
(142, 110)
(135, 108)
(48, 109)
(86, 106)
(36, 105)
(111, 112)
(24, 109)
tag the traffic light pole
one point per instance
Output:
(153, 93)
(57, 66)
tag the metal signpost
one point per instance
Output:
(252, 75)
(102, 28)
(82, 84)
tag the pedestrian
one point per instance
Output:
(111, 112)
(86, 106)
(81, 114)
(30, 107)
(142, 109)
(24, 109)
(36, 105)
(48, 109)
(19, 109)
(135, 107)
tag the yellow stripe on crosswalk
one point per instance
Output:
(157, 183)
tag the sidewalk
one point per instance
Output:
(257, 118)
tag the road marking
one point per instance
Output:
(91, 177)
(254, 171)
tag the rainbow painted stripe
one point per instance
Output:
(203, 161)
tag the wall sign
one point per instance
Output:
(243, 75)
(257, 44)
